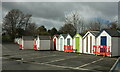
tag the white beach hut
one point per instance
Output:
(108, 43)
(68, 45)
(61, 41)
(89, 39)
(55, 42)
(43, 43)
(26, 42)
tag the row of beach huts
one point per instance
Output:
(105, 42)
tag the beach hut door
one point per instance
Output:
(54, 44)
(103, 40)
(61, 44)
(103, 43)
(77, 44)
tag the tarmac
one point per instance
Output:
(15, 59)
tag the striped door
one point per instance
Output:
(86, 44)
(90, 44)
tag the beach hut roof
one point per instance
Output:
(82, 34)
(28, 38)
(64, 35)
(111, 32)
(44, 37)
(94, 33)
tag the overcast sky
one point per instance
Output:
(52, 14)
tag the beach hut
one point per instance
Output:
(61, 39)
(77, 43)
(68, 43)
(43, 43)
(108, 43)
(55, 42)
(17, 40)
(89, 39)
(26, 42)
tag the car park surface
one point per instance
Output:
(15, 59)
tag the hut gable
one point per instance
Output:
(63, 35)
(78, 35)
(67, 36)
(94, 33)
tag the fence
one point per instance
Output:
(68, 48)
(101, 50)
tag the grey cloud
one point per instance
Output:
(48, 23)
(56, 11)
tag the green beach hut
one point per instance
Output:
(78, 43)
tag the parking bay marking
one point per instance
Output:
(60, 59)
(46, 63)
(41, 57)
(90, 63)
(61, 66)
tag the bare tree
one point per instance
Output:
(75, 19)
(15, 19)
(94, 25)
(68, 28)
(113, 25)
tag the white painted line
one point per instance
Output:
(90, 63)
(51, 65)
(114, 64)
(59, 66)
(45, 63)
(60, 59)
(41, 57)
